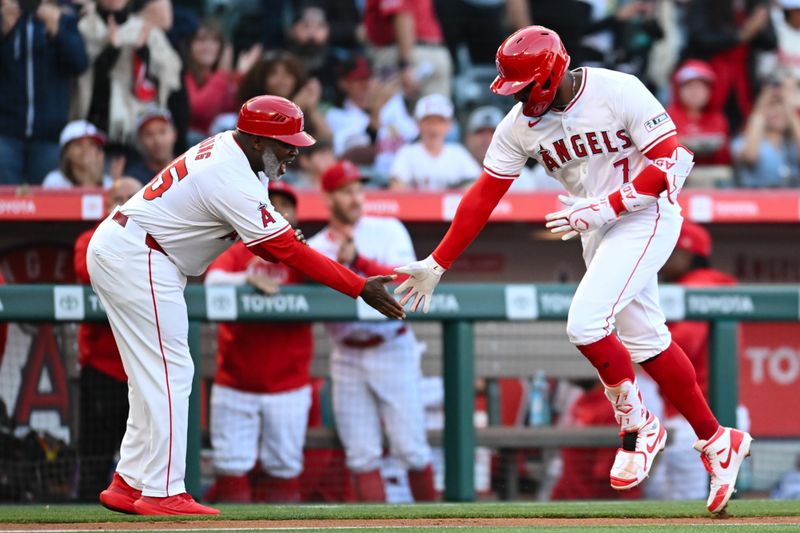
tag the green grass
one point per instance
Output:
(31, 514)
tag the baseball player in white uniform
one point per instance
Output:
(375, 366)
(138, 261)
(613, 147)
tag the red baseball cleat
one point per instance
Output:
(180, 504)
(723, 455)
(119, 496)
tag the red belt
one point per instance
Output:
(122, 219)
(371, 341)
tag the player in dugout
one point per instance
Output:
(262, 387)
(139, 259)
(612, 145)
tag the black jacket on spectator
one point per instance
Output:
(38, 111)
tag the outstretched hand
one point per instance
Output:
(375, 294)
(423, 277)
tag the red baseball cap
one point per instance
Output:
(340, 174)
(281, 187)
(694, 239)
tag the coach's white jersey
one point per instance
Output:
(203, 201)
(382, 239)
(593, 146)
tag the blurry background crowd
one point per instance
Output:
(91, 91)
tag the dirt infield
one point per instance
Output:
(403, 523)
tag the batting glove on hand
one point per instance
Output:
(580, 215)
(423, 276)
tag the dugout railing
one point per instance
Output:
(457, 306)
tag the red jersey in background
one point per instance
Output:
(378, 20)
(96, 345)
(265, 357)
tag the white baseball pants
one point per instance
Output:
(620, 287)
(374, 384)
(142, 292)
(245, 425)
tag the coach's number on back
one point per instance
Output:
(162, 182)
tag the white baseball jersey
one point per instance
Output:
(593, 146)
(205, 199)
(381, 239)
(418, 169)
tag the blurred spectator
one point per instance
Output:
(701, 128)
(282, 74)
(726, 33)
(308, 39)
(262, 392)
(632, 29)
(479, 25)
(81, 160)
(311, 163)
(155, 142)
(480, 129)
(407, 39)
(375, 366)
(133, 66)
(788, 486)
(344, 19)
(371, 122)
(431, 164)
(40, 52)
(103, 383)
(210, 81)
(766, 153)
(569, 18)
(786, 21)
(681, 475)
(584, 473)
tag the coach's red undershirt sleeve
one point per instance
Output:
(652, 180)
(288, 250)
(471, 216)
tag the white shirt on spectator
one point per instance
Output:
(349, 124)
(416, 168)
(788, 44)
(56, 179)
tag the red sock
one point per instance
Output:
(230, 489)
(369, 486)
(676, 378)
(282, 490)
(422, 485)
(611, 359)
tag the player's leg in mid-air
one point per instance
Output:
(621, 262)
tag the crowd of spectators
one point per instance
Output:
(94, 90)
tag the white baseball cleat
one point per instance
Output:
(723, 455)
(639, 449)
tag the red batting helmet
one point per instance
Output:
(531, 56)
(274, 117)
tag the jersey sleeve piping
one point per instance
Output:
(270, 236)
(654, 142)
(500, 175)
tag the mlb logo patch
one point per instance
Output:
(656, 121)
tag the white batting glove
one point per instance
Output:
(423, 276)
(580, 215)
